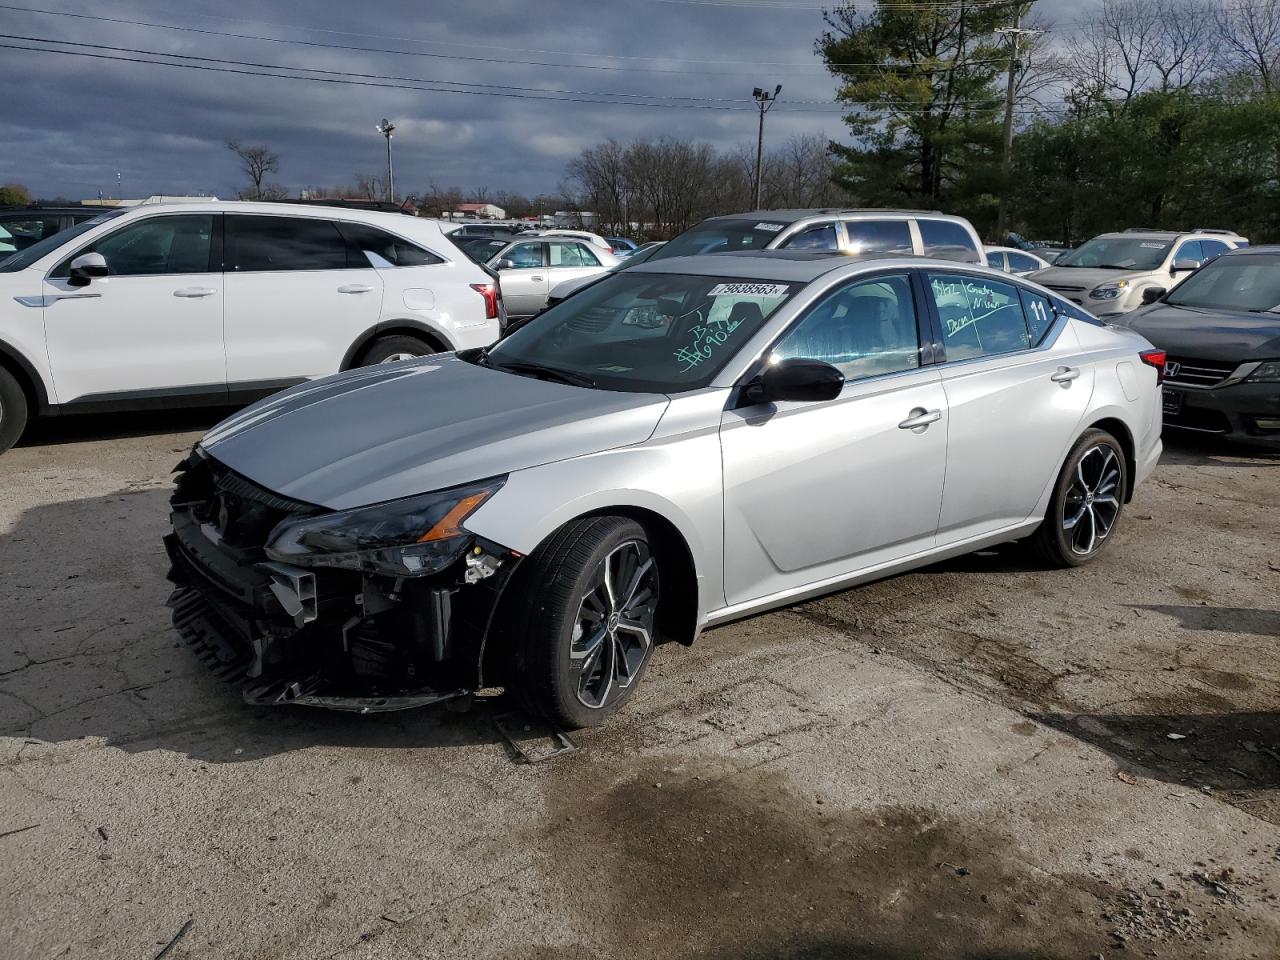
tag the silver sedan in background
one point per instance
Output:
(676, 446)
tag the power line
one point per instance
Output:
(125, 21)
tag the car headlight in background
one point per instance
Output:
(1266, 372)
(1110, 291)
(401, 538)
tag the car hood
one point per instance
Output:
(1222, 335)
(1084, 277)
(395, 430)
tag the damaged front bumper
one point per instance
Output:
(333, 638)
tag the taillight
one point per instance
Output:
(1155, 358)
(491, 296)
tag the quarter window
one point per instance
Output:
(879, 237)
(821, 236)
(368, 245)
(154, 246)
(979, 317)
(864, 330)
(947, 240)
(1039, 313)
(256, 244)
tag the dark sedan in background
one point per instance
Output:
(1221, 330)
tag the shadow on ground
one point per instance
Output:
(49, 431)
(1234, 751)
(1191, 449)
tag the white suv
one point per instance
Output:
(1117, 272)
(225, 302)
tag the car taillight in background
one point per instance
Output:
(1155, 358)
(491, 296)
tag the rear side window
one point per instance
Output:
(821, 236)
(980, 317)
(368, 245)
(571, 255)
(153, 247)
(947, 240)
(879, 237)
(256, 244)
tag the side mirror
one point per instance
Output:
(797, 379)
(505, 264)
(86, 267)
(1183, 266)
(1152, 294)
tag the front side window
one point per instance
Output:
(1117, 253)
(154, 247)
(523, 256)
(1247, 282)
(644, 332)
(368, 245)
(821, 236)
(947, 240)
(867, 237)
(257, 244)
(1190, 250)
(979, 317)
(865, 329)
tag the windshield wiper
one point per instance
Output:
(549, 373)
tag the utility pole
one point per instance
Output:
(1014, 34)
(385, 128)
(765, 102)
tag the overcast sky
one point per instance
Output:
(68, 124)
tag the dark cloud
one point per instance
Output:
(70, 123)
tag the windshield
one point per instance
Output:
(1236, 283)
(25, 258)
(1117, 253)
(721, 236)
(644, 332)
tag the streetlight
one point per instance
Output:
(385, 128)
(764, 101)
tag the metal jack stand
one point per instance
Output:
(518, 728)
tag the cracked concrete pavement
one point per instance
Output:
(971, 761)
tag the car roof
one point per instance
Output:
(386, 218)
(795, 215)
(791, 265)
(1139, 234)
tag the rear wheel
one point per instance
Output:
(1087, 502)
(13, 410)
(391, 349)
(591, 596)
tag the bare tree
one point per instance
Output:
(257, 162)
(1250, 34)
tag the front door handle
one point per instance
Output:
(1065, 374)
(191, 293)
(919, 419)
(356, 288)
(536, 279)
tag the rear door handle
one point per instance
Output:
(920, 418)
(1065, 374)
(356, 288)
(192, 293)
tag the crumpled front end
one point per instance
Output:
(353, 636)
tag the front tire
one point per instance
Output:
(13, 410)
(589, 616)
(1087, 501)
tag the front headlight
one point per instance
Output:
(1110, 291)
(1266, 372)
(401, 538)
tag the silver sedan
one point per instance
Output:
(681, 444)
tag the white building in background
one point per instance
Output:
(482, 211)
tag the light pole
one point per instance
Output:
(1015, 35)
(765, 102)
(385, 128)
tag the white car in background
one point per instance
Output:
(1015, 261)
(224, 302)
(592, 238)
(528, 269)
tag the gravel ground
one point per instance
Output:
(978, 760)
